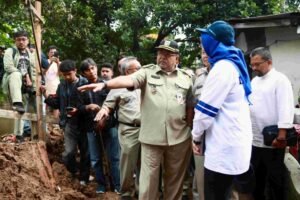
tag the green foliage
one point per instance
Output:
(12, 18)
(106, 29)
(2, 98)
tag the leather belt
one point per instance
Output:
(132, 125)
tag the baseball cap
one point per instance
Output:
(169, 45)
(221, 31)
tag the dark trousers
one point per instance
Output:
(217, 186)
(74, 139)
(269, 171)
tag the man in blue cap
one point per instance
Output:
(223, 113)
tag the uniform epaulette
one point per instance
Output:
(149, 66)
(186, 73)
(202, 71)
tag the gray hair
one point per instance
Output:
(264, 52)
(125, 64)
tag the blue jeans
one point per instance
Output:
(30, 105)
(96, 156)
(73, 139)
(112, 147)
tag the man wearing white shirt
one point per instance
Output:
(223, 113)
(272, 100)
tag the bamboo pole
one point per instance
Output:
(37, 31)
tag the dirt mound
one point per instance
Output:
(28, 171)
(23, 173)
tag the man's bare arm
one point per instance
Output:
(118, 82)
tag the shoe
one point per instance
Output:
(100, 189)
(83, 183)
(19, 139)
(117, 191)
(18, 106)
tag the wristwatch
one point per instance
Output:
(197, 142)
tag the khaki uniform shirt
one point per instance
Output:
(199, 82)
(164, 101)
(129, 103)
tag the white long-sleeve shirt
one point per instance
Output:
(273, 104)
(223, 111)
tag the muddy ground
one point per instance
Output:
(33, 170)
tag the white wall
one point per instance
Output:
(241, 42)
(284, 45)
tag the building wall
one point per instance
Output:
(284, 44)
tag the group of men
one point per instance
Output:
(160, 114)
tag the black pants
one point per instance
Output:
(269, 171)
(74, 139)
(217, 186)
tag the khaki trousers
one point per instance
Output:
(130, 151)
(198, 182)
(175, 161)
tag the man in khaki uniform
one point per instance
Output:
(166, 115)
(129, 118)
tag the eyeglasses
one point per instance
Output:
(134, 68)
(257, 64)
(21, 39)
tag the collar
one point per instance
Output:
(158, 70)
(269, 73)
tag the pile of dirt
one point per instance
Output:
(33, 170)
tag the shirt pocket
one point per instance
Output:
(155, 86)
(125, 99)
(182, 87)
(181, 92)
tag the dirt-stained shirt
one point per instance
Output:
(165, 97)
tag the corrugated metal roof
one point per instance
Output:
(285, 19)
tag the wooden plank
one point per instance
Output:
(10, 114)
(39, 103)
(33, 129)
(36, 14)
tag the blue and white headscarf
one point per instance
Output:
(218, 51)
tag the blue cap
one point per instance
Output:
(221, 31)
